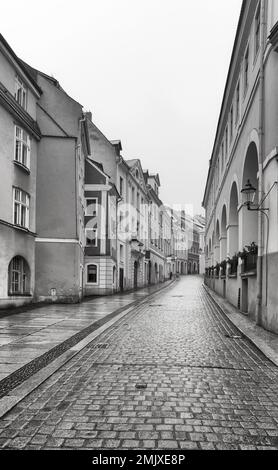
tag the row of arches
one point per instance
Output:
(235, 226)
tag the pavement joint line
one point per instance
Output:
(252, 340)
(26, 386)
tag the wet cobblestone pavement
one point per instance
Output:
(173, 374)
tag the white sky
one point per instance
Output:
(151, 71)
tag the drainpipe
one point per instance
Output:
(261, 159)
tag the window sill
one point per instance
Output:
(23, 167)
(223, 277)
(232, 276)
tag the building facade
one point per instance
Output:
(19, 139)
(241, 192)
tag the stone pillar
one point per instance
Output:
(232, 240)
(223, 248)
(217, 254)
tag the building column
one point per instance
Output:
(223, 248)
(232, 240)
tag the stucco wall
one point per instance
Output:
(57, 267)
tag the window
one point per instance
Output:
(91, 207)
(19, 277)
(133, 196)
(121, 252)
(231, 124)
(222, 156)
(226, 142)
(92, 274)
(121, 186)
(237, 104)
(21, 204)
(246, 70)
(257, 30)
(22, 147)
(91, 236)
(20, 92)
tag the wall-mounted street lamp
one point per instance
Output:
(249, 192)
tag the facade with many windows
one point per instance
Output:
(241, 191)
(19, 139)
(76, 218)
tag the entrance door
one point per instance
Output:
(244, 299)
(135, 274)
(121, 280)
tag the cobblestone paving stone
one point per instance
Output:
(198, 387)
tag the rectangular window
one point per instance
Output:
(226, 142)
(91, 236)
(222, 156)
(231, 124)
(91, 207)
(237, 104)
(21, 205)
(92, 274)
(22, 147)
(20, 92)
(121, 252)
(257, 30)
(121, 186)
(246, 70)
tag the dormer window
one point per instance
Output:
(137, 174)
(20, 92)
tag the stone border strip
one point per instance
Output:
(240, 323)
(26, 379)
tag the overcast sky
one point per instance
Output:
(151, 71)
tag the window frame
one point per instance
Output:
(90, 245)
(86, 207)
(18, 215)
(246, 69)
(23, 277)
(21, 99)
(257, 32)
(22, 144)
(87, 273)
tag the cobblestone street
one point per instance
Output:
(172, 374)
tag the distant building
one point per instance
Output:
(101, 200)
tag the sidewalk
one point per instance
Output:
(48, 336)
(264, 340)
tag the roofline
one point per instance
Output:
(243, 5)
(21, 65)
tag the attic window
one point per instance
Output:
(137, 174)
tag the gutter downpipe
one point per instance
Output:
(259, 312)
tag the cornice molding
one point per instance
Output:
(10, 104)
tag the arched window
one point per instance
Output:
(19, 277)
(92, 274)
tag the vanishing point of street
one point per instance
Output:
(174, 373)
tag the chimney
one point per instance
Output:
(88, 115)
